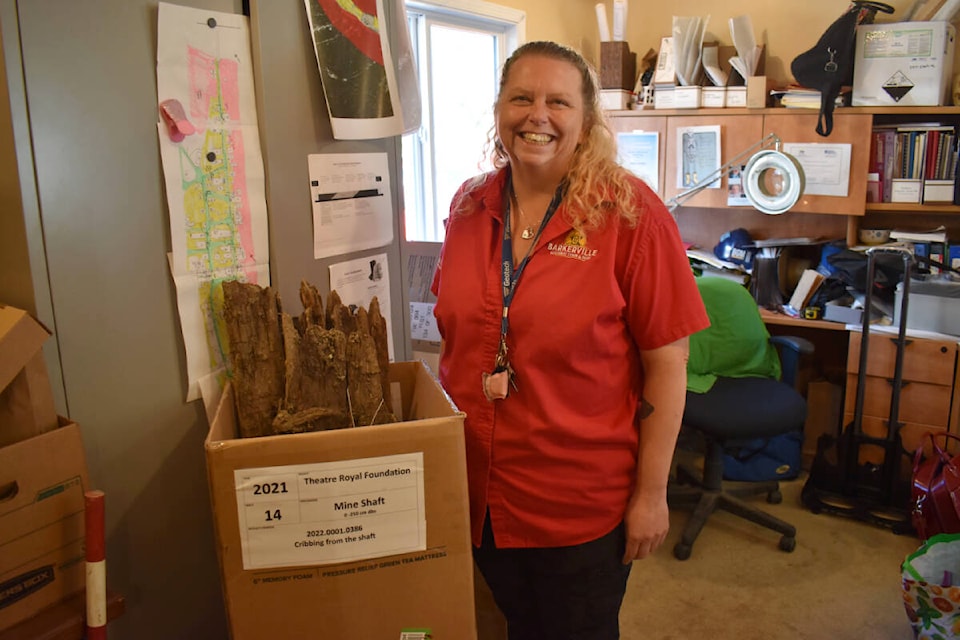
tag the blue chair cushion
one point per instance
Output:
(745, 408)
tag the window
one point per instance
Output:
(459, 46)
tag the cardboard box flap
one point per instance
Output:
(21, 337)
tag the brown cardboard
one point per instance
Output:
(618, 66)
(42, 482)
(758, 92)
(26, 400)
(824, 400)
(375, 597)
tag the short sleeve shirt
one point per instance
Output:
(555, 462)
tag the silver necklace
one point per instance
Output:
(531, 229)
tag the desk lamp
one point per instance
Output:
(772, 180)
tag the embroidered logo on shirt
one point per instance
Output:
(573, 246)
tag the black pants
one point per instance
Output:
(558, 593)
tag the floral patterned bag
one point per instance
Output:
(931, 588)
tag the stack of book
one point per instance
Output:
(915, 163)
(933, 245)
(802, 98)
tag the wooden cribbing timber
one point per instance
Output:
(325, 369)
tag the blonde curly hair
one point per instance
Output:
(595, 182)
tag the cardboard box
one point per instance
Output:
(618, 66)
(663, 96)
(736, 96)
(758, 92)
(824, 409)
(713, 97)
(934, 305)
(938, 191)
(686, 97)
(843, 314)
(905, 190)
(903, 64)
(666, 70)
(26, 400)
(42, 482)
(352, 533)
(615, 99)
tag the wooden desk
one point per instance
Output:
(772, 317)
(65, 620)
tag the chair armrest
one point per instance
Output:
(791, 348)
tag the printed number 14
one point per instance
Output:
(273, 515)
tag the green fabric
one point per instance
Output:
(736, 344)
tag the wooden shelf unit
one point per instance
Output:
(704, 217)
(925, 404)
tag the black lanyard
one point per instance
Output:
(510, 279)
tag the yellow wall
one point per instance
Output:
(786, 28)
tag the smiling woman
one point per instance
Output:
(555, 404)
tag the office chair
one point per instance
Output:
(734, 394)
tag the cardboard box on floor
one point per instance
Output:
(42, 482)
(26, 400)
(352, 533)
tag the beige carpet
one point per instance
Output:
(842, 581)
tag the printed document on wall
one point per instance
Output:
(352, 207)
(358, 281)
(355, 48)
(213, 173)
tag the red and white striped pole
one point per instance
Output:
(96, 566)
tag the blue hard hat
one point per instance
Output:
(736, 246)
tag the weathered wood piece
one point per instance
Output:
(313, 312)
(251, 315)
(316, 398)
(339, 315)
(363, 380)
(326, 369)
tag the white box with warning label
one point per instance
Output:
(903, 64)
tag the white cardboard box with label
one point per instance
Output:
(903, 64)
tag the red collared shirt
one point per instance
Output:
(555, 462)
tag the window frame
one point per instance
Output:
(463, 14)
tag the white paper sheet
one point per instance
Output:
(358, 281)
(352, 206)
(699, 151)
(639, 152)
(826, 167)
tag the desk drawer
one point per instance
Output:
(919, 401)
(923, 360)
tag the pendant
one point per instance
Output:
(496, 386)
(527, 233)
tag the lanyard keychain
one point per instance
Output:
(496, 385)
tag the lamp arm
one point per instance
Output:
(767, 140)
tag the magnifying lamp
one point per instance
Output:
(773, 181)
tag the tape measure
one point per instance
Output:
(811, 313)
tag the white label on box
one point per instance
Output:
(331, 512)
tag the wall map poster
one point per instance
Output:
(351, 39)
(213, 171)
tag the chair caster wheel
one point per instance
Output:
(775, 497)
(681, 551)
(788, 543)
